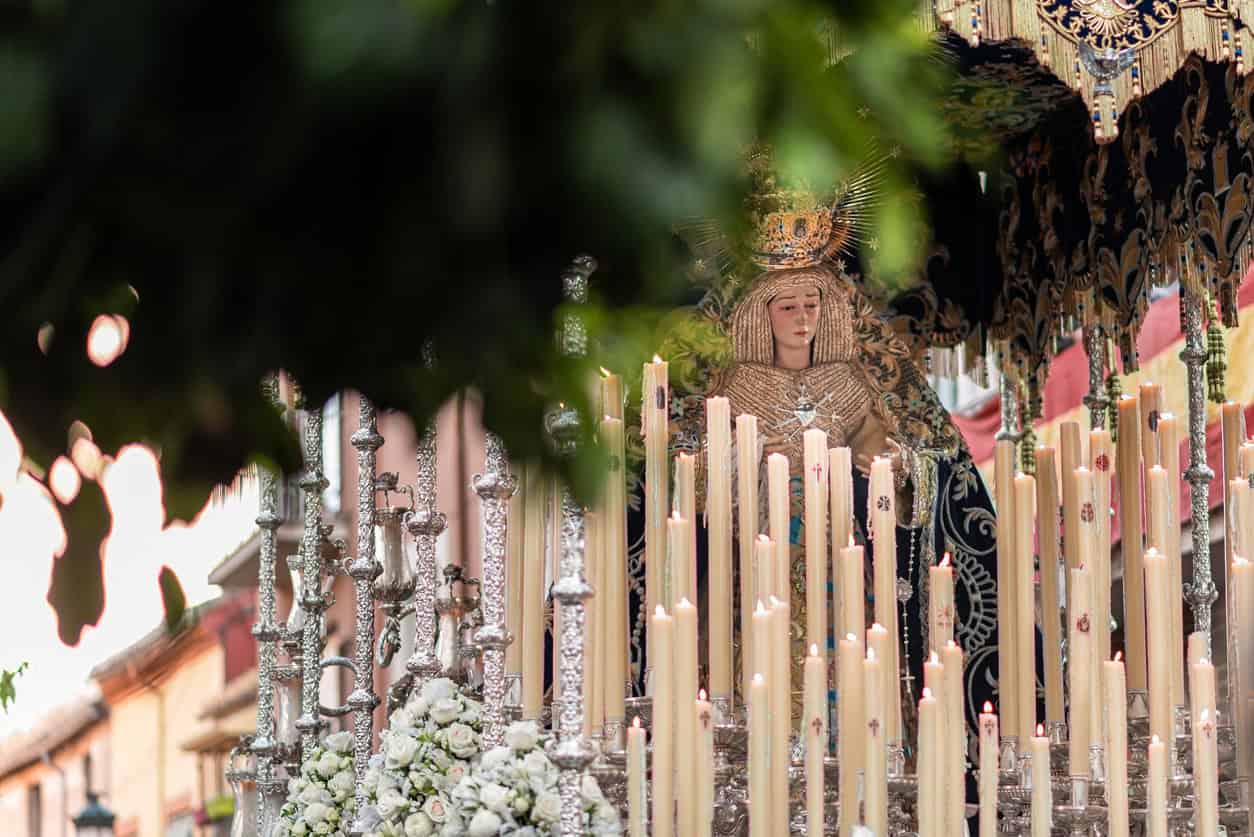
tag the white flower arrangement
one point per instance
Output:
(429, 745)
(320, 801)
(513, 790)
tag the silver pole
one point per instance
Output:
(1096, 400)
(494, 486)
(266, 632)
(573, 752)
(312, 484)
(425, 524)
(1201, 593)
(363, 570)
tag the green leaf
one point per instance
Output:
(8, 692)
(172, 599)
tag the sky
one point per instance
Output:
(138, 545)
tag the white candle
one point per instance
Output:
(1169, 447)
(852, 731)
(815, 721)
(686, 501)
(1024, 612)
(1205, 746)
(940, 605)
(1115, 696)
(780, 523)
(514, 577)
(1007, 601)
(1156, 602)
(592, 661)
(747, 524)
(1151, 406)
(840, 494)
(1047, 527)
(954, 767)
(662, 629)
(533, 627)
(852, 592)
(759, 659)
(1071, 451)
(1101, 459)
(1130, 533)
(679, 560)
(990, 747)
(1157, 788)
(636, 817)
(654, 394)
(759, 758)
(815, 501)
(704, 767)
(1042, 793)
(718, 522)
(1081, 657)
(883, 519)
(876, 787)
(685, 616)
(764, 559)
(616, 619)
(781, 713)
(879, 640)
(1206, 774)
(1242, 579)
(929, 776)
(611, 395)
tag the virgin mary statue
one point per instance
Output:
(809, 350)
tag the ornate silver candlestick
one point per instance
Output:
(313, 602)
(425, 524)
(1201, 594)
(363, 700)
(494, 486)
(266, 632)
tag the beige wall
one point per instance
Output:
(153, 777)
(58, 803)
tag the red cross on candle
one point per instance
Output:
(818, 471)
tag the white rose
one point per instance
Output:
(418, 708)
(390, 801)
(484, 823)
(590, 789)
(328, 765)
(494, 796)
(371, 781)
(437, 689)
(471, 713)
(299, 829)
(316, 813)
(446, 710)
(495, 758)
(322, 828)
(440, 758)
(341, 742)
(435, 809)
(418, 824)
(401, 719)
(312, 794)
(462, 741)
(522, 735)
(537, 763)
(341, 784)
(547, 807)
(401, 750)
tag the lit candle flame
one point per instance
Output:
(1118, 656)
(814, 649)
(635, 722)
(988, 708)
(700, 694)
(1040, 730)
(661, 611)
(605, 372)
(927, 693)
(657, 359)
(870, 653)
(945, 561)
(64, 480)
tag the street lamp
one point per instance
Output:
(95, 820)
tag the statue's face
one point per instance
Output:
(794, 318)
